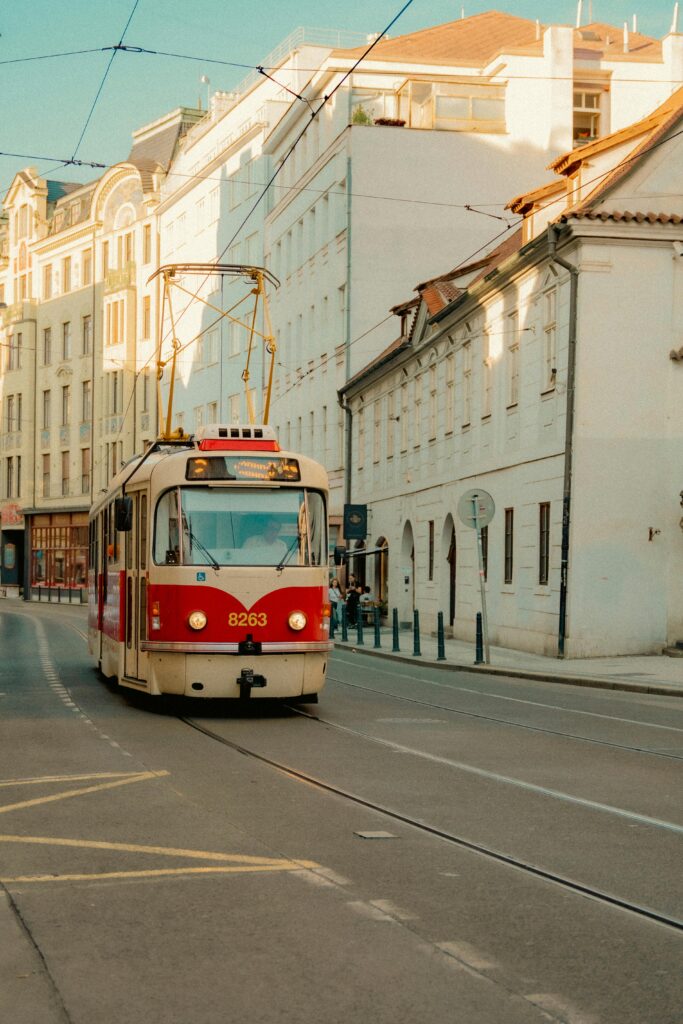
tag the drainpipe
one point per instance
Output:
(569, 433)
(347, 367)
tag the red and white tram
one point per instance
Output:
(207, 569)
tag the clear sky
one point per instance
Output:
(45, 103)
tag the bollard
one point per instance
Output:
(59, 595)
(344, 624)
(416, 634)
(479, 656)
(394, 631)
(359, 628)
(377, 642)
(333, 621)
(440, 639)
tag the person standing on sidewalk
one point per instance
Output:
(352, 601)
(336, 599)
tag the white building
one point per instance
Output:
(563, 400)
(383, 186)
(208, 213)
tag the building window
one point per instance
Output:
(509, 544)
(145, 389)
(86, 401)
(86, 267)
(9, 413)
(377, 431)
(114, 322)
(513, 359)
(146, 317)
(17, 420)
(430, 551)
(9, 477)
(46, 410)
(147, 243)
(66, 405)
(211, 347)
(487, 377)
(466, 383)
(212, 412)
(87, 336)
(450, 393)
(361, 437)
(85, 470)
(198, 417)
(586, 115)
(65, 474)
(404, 417)
(543, 542)
(66, 340)
(417, 411)
(15, 344)
(46, 476)
(485, 551)
(549, 339)
(432, 403)
(18, 491)
(105, 258)
(47, 281)
(391, 425)
(66, 274)
(47, 346)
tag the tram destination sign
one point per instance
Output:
(237, 467)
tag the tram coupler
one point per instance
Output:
(247, 680)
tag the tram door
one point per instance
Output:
(136, 589)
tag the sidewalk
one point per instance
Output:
(639, 673)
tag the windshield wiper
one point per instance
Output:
(205, 551)
(285, 558)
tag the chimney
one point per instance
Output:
(579, 13)
(635, 23)
(625, 37)
(674, 22)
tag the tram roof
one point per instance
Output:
(172, 454)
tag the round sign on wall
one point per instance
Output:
(476, 508)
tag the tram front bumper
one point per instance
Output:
(221, 676)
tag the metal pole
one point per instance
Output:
(440, 639)
(479, 646)
(480, 548)
(344, 624)
(394, 631)
(417, 653)
(359, 627)
(377, 642)
(333, 621)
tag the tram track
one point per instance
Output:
(567, 884)
(517, 725)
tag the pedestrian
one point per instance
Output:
(336, 599)
(352, 601)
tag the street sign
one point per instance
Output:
(476, 508)
(355, 522)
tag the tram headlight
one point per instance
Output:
(196, 620)
(297, 620)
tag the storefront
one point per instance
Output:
(11, 549)
(58, 552)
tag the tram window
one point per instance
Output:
(142, 539)
(241, 527)
(166, 538)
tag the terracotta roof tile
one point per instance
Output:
(469, 40)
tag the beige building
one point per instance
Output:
(77, 395)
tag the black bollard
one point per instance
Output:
(344, 624)
(394, 631)
(416, 634)
(440, 639)
(333, 622)
(377, 642)
(479, 656)
(359, 627)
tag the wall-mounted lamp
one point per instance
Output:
(652, 533)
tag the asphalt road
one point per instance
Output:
(420, 846)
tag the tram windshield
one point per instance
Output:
(223, 526)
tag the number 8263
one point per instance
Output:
(247, 619)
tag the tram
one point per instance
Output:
(207, 569)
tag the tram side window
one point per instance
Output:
(166, 539)
(112, 553)
(317, 528)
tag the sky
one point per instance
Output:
(47, 102)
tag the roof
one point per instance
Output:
(154, 150)
(400, 343)
(476, 39)
(57, 189)
(479, 38)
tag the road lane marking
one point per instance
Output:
(163, 851)
(162, 872)
(139, 777)
(36, 780)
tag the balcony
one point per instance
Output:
(118, 280)
(19, 312)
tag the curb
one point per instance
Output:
(597, 682)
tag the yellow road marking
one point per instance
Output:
(247, 868)
(5, 783)
(141, 777)
(163, 851)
